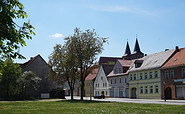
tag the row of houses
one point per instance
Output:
(137, 75)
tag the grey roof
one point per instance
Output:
(107, 68)
(152, 61)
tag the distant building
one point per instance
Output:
(173, 76)
(89, 83)
(38, 66)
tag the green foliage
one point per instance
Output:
(27, 80)
(12, 35)
(109, 63)
(9, 74)
(86, 46)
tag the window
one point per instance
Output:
(166, 74)
(131, 77)
(111, 81)
(146, 75)
(183, 72)
(115, 81)
(95, 92)
(156, 74)
(141, 90)
(151, 89)
(98, 92)
(134, 76)
(103, 84)
(120, 80)
(102, 78)
(141, 76)
(98, 84)
(156, 89)
(115, 71)
(146, 89)
(105, 92)
(125, 79)
(150, 75)
(171, 73)
(119, 70)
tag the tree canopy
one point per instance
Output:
(12, 35)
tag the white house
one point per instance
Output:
(101, 82)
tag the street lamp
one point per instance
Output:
(164, 91)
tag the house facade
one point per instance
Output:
(173, 76)
(101, 82)
(39, 66)
(118, 79)
(145, 75)
(89, 83)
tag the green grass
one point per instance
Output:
(92, 107)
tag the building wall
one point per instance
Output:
(169, 82)
(137, 82)
(101, 83)
(117, 84)
(89, 88)
(39, 67)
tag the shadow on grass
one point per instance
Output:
(83, 101)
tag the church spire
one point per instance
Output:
(127, 50)
(137, 48)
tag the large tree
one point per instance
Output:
(87, 45)
(64, 65)
(10, 72)
(12, 35)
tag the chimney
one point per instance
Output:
(177, 48)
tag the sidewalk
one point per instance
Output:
(127, 100)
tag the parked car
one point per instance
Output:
(99, 97)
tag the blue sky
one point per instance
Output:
(159, 24)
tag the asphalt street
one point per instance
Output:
(127, 100)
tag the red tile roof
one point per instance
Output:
(92, 75)
(177, 59)
(125, 63)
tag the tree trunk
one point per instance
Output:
(71, 94)
(82, 89)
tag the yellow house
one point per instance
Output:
(89, 83)
(145, 75)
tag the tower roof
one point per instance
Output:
(137, 48)
(127, 50)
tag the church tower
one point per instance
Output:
(136, 53)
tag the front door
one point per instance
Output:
(133, 93)
(168, 93)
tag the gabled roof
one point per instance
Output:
(92, 75)
(31, 60)
(107, 68)
(137, 48)
(125, 63)
(178, 59)
(127, 50)
(103, 60)
(153, 61)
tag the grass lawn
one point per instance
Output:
(92, 107)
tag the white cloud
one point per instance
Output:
(57, 35)
(123, 9)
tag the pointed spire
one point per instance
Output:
(136, 48)
(127, 50)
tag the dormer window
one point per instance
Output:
(115, 71)
(138, 63)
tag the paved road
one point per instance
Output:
(127, 100)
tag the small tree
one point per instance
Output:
(87, 45)
(10, 72)
(26, 81)
(63, 65)
(12, 35)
